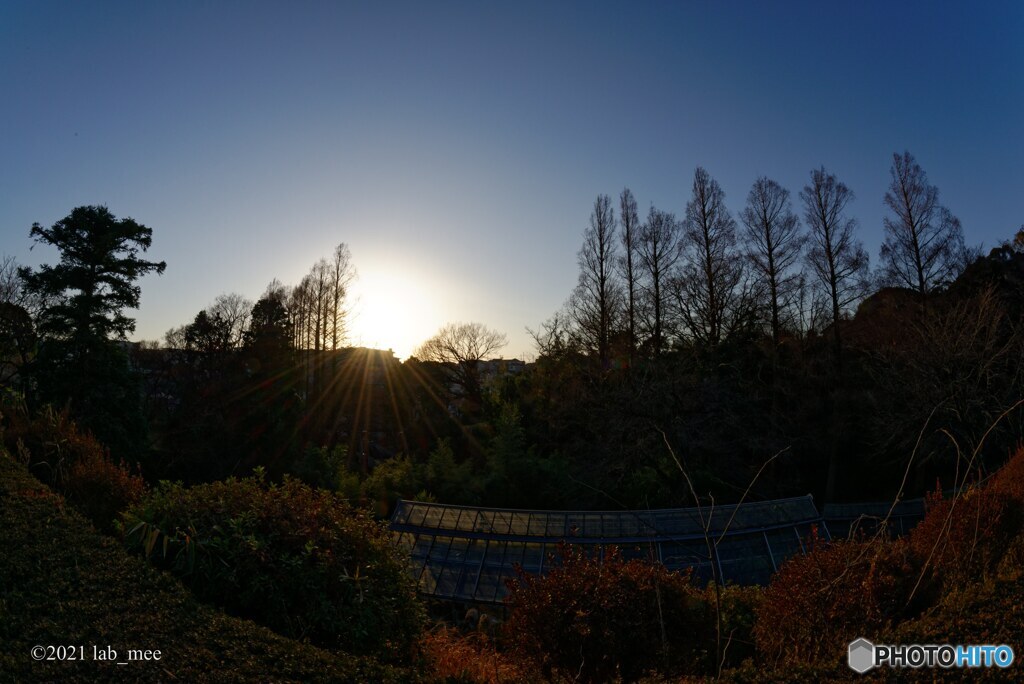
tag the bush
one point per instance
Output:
(819, 602)
(594, 621)
(738, 606)
(967, 538)
(473, 659)
(390, 481)
(62, 583)
(102, 489)
(296, 559)
(73, 463)
(322, 467)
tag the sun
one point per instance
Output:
(391, 309)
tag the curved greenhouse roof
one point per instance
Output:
(897, 519)
(465, 553)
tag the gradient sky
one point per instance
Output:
(458, 147)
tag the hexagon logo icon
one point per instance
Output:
(861, 656)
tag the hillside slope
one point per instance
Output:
(63, 583)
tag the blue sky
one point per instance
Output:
(457, 148)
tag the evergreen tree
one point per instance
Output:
(79, 362)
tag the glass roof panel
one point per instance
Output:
(464, 553)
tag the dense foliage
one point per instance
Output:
(598, 619)
(843, 590)
(62, 583)
(299, 560)
(71, 461)
(820, 602)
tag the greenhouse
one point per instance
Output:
(896, 519)
(466, 554)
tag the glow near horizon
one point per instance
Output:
(457, 147)
(391, 307)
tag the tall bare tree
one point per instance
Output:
(924, 243)
(836, 257)
(714, 301)
(775, 244)
(342, 273)
(595, 302)
(300, 305)
(659, 253)
(629, 261)
(320, 292)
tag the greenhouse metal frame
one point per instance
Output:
(467, 554)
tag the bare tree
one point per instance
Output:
(320, 285)
(713, 299)
(554, 338)
(10, 283)
(659, 253)
(460, 347)
(595, 302)
(342, 273)
(18, 308)
(301, 307)
(12, 290)
(175, 337)
(836, 258)
(629, 262)
(235, 311)
(775, 245)
(924, 243)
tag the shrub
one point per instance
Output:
(102, 489)
(322, 467)
(963, 538)
(473, 659)
(595, 621)
(62, 583)
(968, 537)
(738, 606)
(296, 559)
(819, 602)
(390, 481)
(72, 462)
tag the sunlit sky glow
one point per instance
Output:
(457, 147)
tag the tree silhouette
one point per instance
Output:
(773, 234)
(460, 347)
(208, 334)
(235, 311)
(659, 252)
(595, 303)
(712, 302)
(629, 262)
(86, 295)
(95, 280)
(270, 330)
(924, 243)
(836, 257)
(341, 273)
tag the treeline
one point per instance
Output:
(710, 343)
(647, 286)
(707, 344)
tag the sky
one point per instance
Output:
(457, 148)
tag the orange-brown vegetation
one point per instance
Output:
(453, 657)
(594, 620)
(72, 462)
(820, 602)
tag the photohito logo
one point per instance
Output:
(864, 655)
